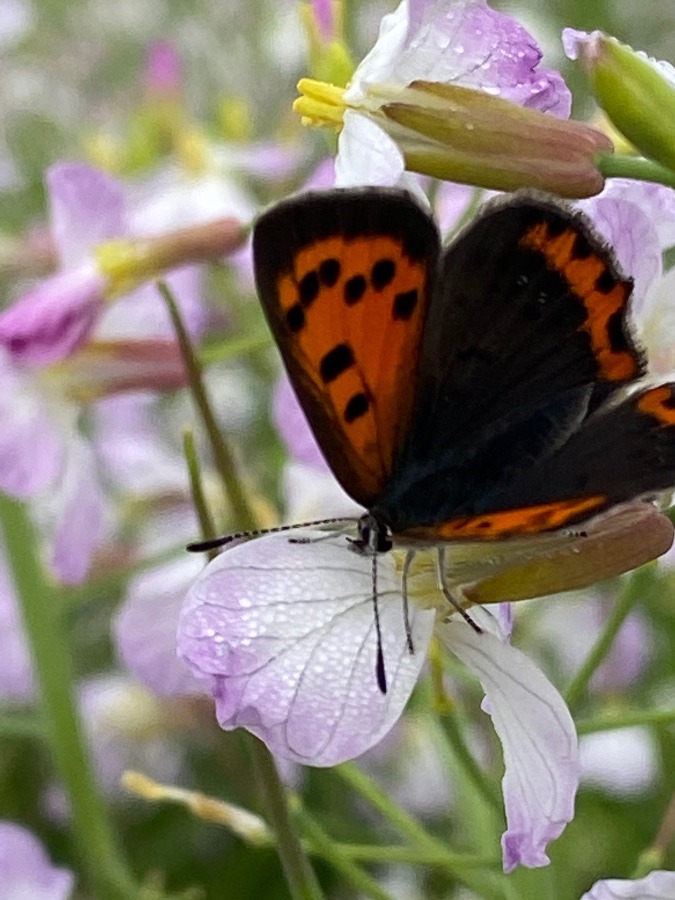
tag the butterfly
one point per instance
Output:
(482, 392)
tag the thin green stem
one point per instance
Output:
(242, 345)
(206, 522)
(641, 581)
(415, 856)
(619, 166)
(339, 857)
(484, 885)
(224, 461)
(627, 719)
(473, 771)
(99, 850)
(300, 876)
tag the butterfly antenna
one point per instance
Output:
(380, 673)
(225, 539)
(449, 596)
(410, 555)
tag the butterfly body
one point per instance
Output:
(474, 393)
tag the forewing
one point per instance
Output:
(344, 278)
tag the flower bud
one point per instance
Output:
(638, 94)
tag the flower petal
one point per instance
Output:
(538, 738)
(634, 238)
(55, 318)
(31, 447)
(286, 632)
(366, 154)
(87, 208)
(25, 868)
(77, 511)
(145, 628)
(658, 885)
(462, 42)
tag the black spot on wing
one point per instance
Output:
(355, 288)
(382, 273)
(356, 407)
(335, 362)
(404, 304)
(308, 288)
(329, 272)
(295, 318)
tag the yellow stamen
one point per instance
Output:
(320, 104)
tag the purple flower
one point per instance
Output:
(658, 885)
(56, 318)
(43, 458)
(284, 634)
(25, 869)
(439, 93)
(461, 42)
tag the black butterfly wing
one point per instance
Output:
(623, 451)
(527, 333)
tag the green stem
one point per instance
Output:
(224, 461)
(206, 522)
(340, 857)
(639, 582)
(628, 719)
(98, 847)
(619, 166)
(242, 345)
(413, 855)
(300, 876)
(484, 885)
(473, 771)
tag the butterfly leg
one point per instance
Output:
(410, 555)
(447, 592)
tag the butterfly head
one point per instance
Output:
(374, 535)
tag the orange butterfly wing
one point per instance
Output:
(345, 281)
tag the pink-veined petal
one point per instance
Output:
(87, 208)
(462, 42)
(634, 239)
(287, 634)
(538, 739)
(658, 885)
